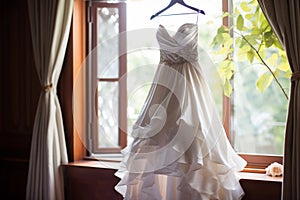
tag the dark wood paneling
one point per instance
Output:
(90, 183)
(98, 183)
(20, 87)
(13, 179)
(261, 190)
(19, 93)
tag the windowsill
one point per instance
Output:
(94, 164)
(258, 177)
(114, 165)
(109, 157)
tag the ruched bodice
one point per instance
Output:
(179, 48)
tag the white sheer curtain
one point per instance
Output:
(50, 25)
(284, 17)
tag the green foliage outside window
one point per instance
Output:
(253, 40)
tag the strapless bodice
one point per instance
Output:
(181, 47)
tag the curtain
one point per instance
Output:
(284, 17)
(50, 25)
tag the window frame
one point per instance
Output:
(254, 161)
(92, 75)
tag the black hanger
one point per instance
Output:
(173, 2)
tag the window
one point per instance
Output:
(258, 117)
(111, 71)
(107, 85)
(251, 127)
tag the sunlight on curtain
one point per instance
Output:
(50, 24)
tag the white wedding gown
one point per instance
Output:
(180, 150)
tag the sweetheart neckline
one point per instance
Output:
(163, 27)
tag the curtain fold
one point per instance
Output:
(50, 26)
(284, 17)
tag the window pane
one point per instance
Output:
(108, 42)
(141, 68)
(108, 114)
(259, 118)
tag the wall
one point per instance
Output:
(19, 91)
(90, 183)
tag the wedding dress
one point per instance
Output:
(180, 150)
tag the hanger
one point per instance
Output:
(173, 2)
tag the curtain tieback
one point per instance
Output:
(295, 76)
(47, 88)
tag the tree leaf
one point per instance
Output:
(240, 23)
(224, 51)
(250, 55)
(245, 7)
(218, 38)
(288, 74)
(241, 42)
(252, 39)
(253, 2)
(225, 14)
(277, 73)
(278, 44)
(236, 11)
(255, 30)
(262, 52)
(249, 16)
(221, 29)
(273, 60)
(262, 18)
(242, 52)
(227, 88)
(284, 67)
(268, 34)
(264, 25)
(226, 71)
(269, 42)
(264, 82)
(227, 66)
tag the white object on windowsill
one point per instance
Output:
(275, 169)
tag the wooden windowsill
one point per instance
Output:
(258, 177)
(90, 179)
(94, 164)
(245, 175)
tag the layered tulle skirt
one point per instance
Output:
(180, 150)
